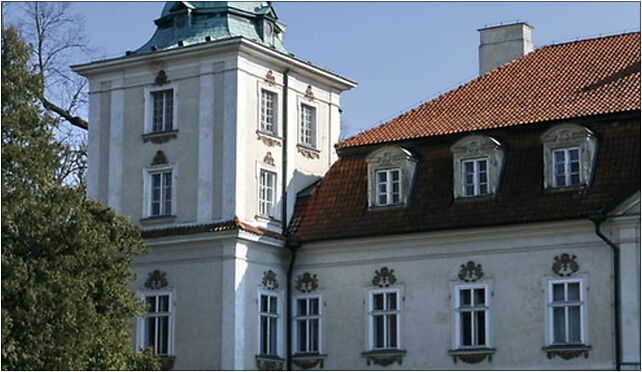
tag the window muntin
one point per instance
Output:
(566, 167)
(566, 302)
(471, 316)
(384, 312)
(307, 325)
(474, 177)
(268, 324)
(267, 192)
(388, 186)
(156, 330)
(267, 121)
(162, 110)
(161, 193)
(308, 125)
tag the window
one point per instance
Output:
(162, 110)
(569, 156)
(308, 126)
(160, 193)
(267, 192)
(475, 177)
(471, 316)
(268, 324)
(477, 164)
(268, 123)
(388, 186)
(566, 308)
(566, 167)
(307, 325)
(155, 329)
(384, 319)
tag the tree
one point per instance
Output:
(66, 260)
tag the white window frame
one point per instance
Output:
(149, 107)
(262, 86)
(567, 167)
(314, 131)
(276, 194)
(389, 184)
(550, 306)
(457, 310)
(297, 318)
(476, 176)
(140, 321)
(147, 189)
(279, 331)
(476, 147)
(391, 157)
(372, 313)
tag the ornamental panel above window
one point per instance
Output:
(569, 156)
(391, 172)
(477, 163)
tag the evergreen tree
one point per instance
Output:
(65, 259)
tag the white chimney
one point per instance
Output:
(501, 44)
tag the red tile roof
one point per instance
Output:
(582, 78)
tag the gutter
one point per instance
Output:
(597, 218)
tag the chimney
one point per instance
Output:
(501, 44)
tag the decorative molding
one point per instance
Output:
(472, 356)
(159, 137)
(307, 282)
(307, 361)
(384, 357)
(309, 94)
(161, 78)
(470, 272)
(156, 280)
(159, 158)
(269, 280)
(269, 141)
(269, 363)
(565, 265)
(270, 79)
(308, 153)
(268, 159)
(384, 277)
(567, 352)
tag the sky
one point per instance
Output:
(400, 53)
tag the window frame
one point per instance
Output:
(550, 320)
(140, 321)
(477, 147)
(275, 193)
(476, 175)
(391, 157)
(148, 173)
(389, 186)
(567, 167)
(149, 107)
(457, 311)
(295, 323)
(260, 314)
(314, 131)
(371, 318)
(262, 86)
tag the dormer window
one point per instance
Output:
(390, 176)
(569, 154)
(477, 163)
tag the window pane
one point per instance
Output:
(573, 292)
(469, 167)
(559, 325)
(272, 304)
(377, 301)
(169, 109)
(163, 335)
(574, 324)
(481, 327)
(395, 175)
(575, 179)
(381, 177)
(480, 296)
(264, 304)
(392, 330)
(470, 190)
(558, 292)
(483, 188)
(163, 303)
(464, 297)
(150, 332)
(314, 306)
(378, 331)
(392, 301)
(383, 199)
(558, 156)
(466, 327)
(301, 307)
(302, 335)
(264, 335)
(273, 334)
(157, 116)
(314, 335)
(482, 165)
(574, 154)
(151, 304)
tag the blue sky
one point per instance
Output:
(400, 53)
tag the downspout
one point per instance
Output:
(597, 219)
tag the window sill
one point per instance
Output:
(389, 207)
(308, 360)
(157, 219)
(270, 139)
(475, 199)
(384, 357)
(159, 137)
(269, 219)
(269, 363)
(308, 151)
(472, 355)
(567, 352)
(577, 188)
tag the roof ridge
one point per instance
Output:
(581, 39)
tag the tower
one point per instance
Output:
(203, 136)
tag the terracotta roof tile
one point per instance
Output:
(582, 78)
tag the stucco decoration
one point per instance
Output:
(269, 280)
(270, 79)
(567, 352)
(472, 356)
(471, 272)
(308, 361)
(307, 282)
(384, 277)
(391, 157)
(565, 265)
(566, 136)
(309, 94)
(310, 154)
(269, 364)
(384, 357)
(268, 141)
(268, 159)
(159, 159)
(477, 147)
(161, 78)
(156, 280)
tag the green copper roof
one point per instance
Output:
(184, 23)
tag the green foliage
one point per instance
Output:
(65, 259)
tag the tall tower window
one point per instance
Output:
(308, 126)
(267, 192)
(268, 112)
(163, 110)
(161, 194)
